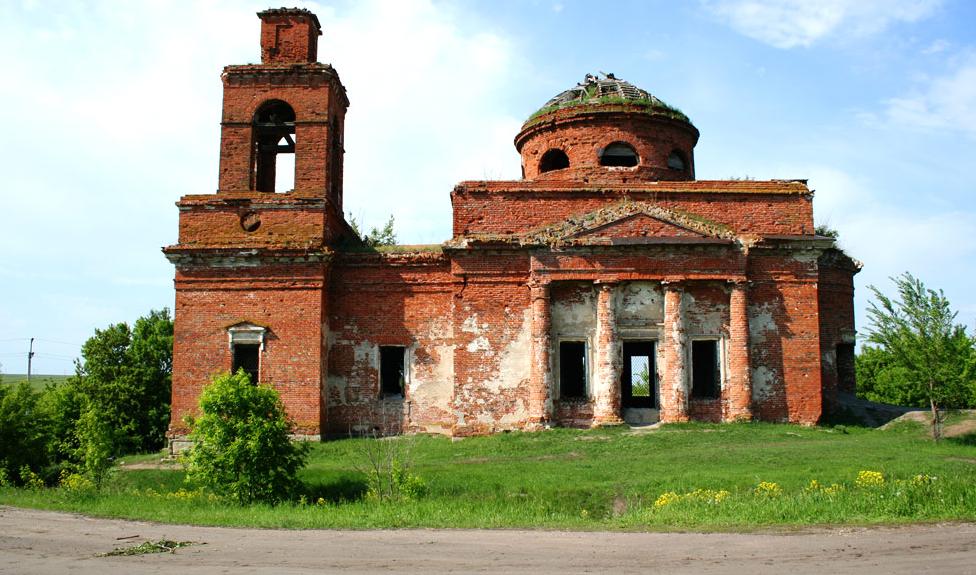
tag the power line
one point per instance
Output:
(59, 342)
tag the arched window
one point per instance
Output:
(554, 159)
(676, 161)
(619, 154)
(274, 133)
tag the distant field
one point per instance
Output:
(38, 382)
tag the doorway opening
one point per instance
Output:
(637, 378)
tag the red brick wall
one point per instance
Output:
(784, 336)
(287, 300)
(492, 334)
(836, 300)
(288, 36)
(524, 208)
(315, 94)
(582, 136)
(390, 300)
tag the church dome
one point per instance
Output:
(594, 91)
(605, 129)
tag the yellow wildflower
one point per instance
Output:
(867, 479)
(768, 489)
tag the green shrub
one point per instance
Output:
(241, 447)
(23, 434)
(96, 444)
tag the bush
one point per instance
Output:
(24, 452)
(96, 444)
(241, 447)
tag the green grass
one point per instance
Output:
(601, 479)
(38, 382)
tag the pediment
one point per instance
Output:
(631, 222)
(640, 225)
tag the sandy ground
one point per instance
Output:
(48, 542)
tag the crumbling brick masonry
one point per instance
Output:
(607, 285)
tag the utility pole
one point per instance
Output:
(30, 356)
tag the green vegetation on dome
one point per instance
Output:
(594, 93)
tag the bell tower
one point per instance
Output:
(289, 104)
(253, 260)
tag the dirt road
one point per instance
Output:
(46, 542)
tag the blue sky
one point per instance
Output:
(112, 113)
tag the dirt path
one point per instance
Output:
(47, 542)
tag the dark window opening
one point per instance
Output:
(392, 371)
(676, 162)
(335, 162)
(247, 357)
(638, 374)
(572, 369)
(553, 160)
(274, 134)
(704, 369)
(619, 155)
(846, 378)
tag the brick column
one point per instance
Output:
(540, 373)
(606, 376)
(674, 372)
(739, 393)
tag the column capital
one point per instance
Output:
(674, 282)
(739, 282)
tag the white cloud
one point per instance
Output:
(946, 102)
(892, 239)
(114, 114)
(424, 111)
(801, 23)
(936, 47)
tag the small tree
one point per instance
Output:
(241, 446)
(385, 236)
(919, 332)
(96, 444)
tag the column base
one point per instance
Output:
(676, 418)
(608, 421)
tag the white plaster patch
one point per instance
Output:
(705, 318)
(471, 325)
(479, 343)
(764, 383)
(338, 385)
(829, 359)
(761, 322)
(639, 304)
(514, 361)
(576, 317)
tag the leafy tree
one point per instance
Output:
(384, 236)
(127, 374)
(241, 446)
(23, 432)
(930, 358)
(63, 405)
(96, 444)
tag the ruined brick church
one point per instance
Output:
(608, 285)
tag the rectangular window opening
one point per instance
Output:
(705, 369)
(392, 370)
(247, 357)
(572, 369)
(846, 378)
